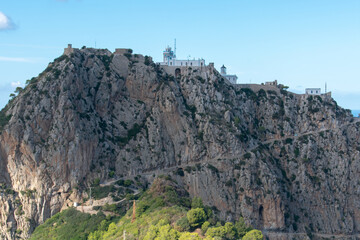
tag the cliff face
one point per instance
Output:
(286, 162)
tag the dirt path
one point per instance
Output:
(88, 206)
(224, 157)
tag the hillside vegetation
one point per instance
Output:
(165, 211)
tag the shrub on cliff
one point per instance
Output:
(253, 235)
(196, 217)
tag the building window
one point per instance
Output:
(170, 63)
(191, 63)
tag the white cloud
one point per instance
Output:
(12, 59)
(5, 22)
(15, 84)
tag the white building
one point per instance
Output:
(313, 91)
(170, 60)
(231, 78)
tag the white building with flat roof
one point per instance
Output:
(313, 91)
(170, 60)
(231, 78)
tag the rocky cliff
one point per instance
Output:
(288, 163)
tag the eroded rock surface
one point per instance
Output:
(288, 163)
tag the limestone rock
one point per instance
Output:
(288, 163)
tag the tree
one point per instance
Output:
(151, 233)
(95, 235)
(227, 231)
(241, 227)
(205, 227)
(112, 230)
(19, 90)
(182, 225)
(96, 182)
(230, 230)
(216, 232)
(197, 203)
(253, 235)
(167, 233)
(189, 236)
(196, 217)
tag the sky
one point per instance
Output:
(302, 44)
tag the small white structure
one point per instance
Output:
(231, 78)
(76, 204)
(170, 60)
(313, 91)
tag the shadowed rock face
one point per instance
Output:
(286, 162)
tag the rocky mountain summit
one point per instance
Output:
(289, 164)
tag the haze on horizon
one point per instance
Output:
(299, 43)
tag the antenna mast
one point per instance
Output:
(325, 87)
(175, 47)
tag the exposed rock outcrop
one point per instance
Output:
(288, 163)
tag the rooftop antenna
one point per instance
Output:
(175, 47)
(325, 87)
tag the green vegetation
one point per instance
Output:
(253, 235)
(69, 224)
(128, 55)
(247, 155)
(61, 58)
(213, 168)
(196, 217)
(192, 109)
(147, 60)
(132, 133)
(296, 152)
(162, 212)
(106, 60)
(249, 93)
(102, 192)
(197, 203)
(4, 119)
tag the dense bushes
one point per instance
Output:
(253, 235)
(69, 224)
(106, 60)
(196, 217)
(182, 225)
(101, 192)
(4, 119)
(162, 212)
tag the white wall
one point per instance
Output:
(231, 78)
(184, 63)
(313, 91)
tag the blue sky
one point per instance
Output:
(300, 43)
